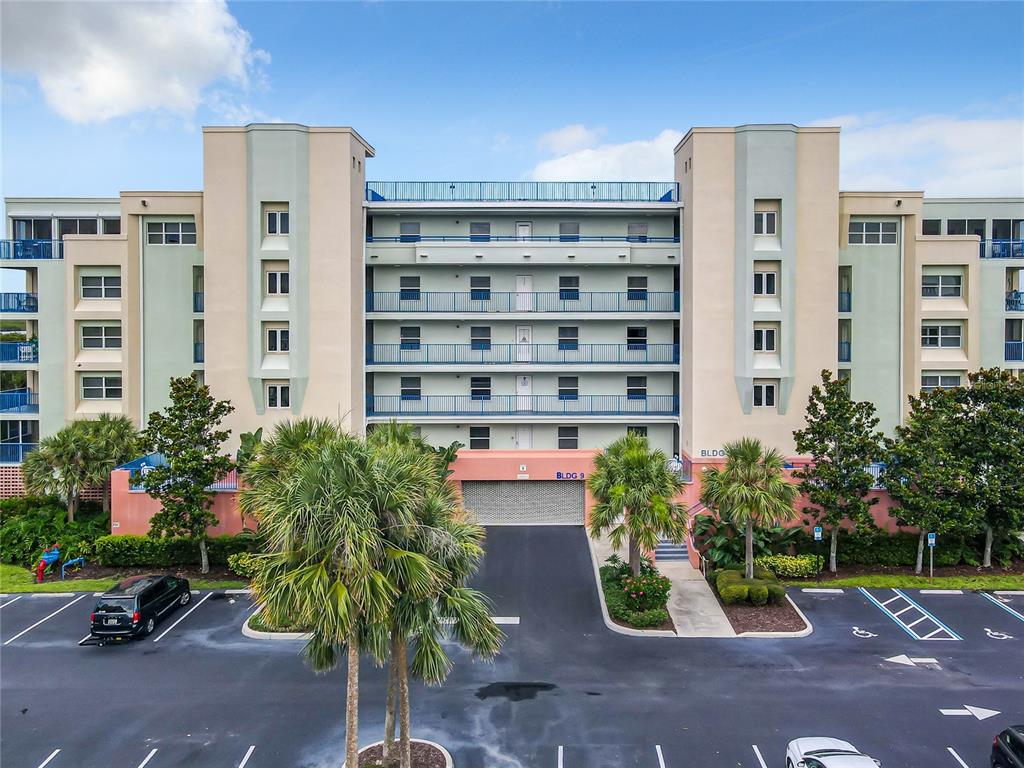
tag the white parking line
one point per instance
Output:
(12, 601)
(957, 757)
(183, 617)
(248, 754)
(1009, 591)
(757, 754)
(942, 591)
(47, 760)
(822, 590)
(1006, 608)
(67, 605)
(148, 758)
(559, 756)
(661, 757)
(505, 619)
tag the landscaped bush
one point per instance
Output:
(734, 592)
(28, 525)
(622, 593)
(144, 551)
(789, 566)
(244, 564)
(776, 593)
(646, 591)
(877, 547)
(757, 593)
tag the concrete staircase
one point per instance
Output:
(668, 552)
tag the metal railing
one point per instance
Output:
(19, 352)
(516, 405)
(844, 351)
(1014, 351)
(31, 249)
(512, 301)
(198, 352)
(875, 470)
(845, 301)
(227, 483)
(198, 301)
(14, 453)
(524, 191)
(19, 401)
(1002, 249)
(1015, 301)
(510, 354)
(413, 239)
(19, 302)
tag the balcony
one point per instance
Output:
(522, 405)
(1014, 351)
(14, 453)
(19, 352)
(523, 191)
(198, 352)
(19, 302)
(520, 354)
(503, 301)
(845, 301)
(844, 351)
(1002, 249)
(19, 401)
(198, 301)
(518, 239)
(31, 249)
(1015, 301)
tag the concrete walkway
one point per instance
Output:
(691, 603)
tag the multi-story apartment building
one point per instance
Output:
(534, 322)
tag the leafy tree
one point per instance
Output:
(249, 443)
(841, 440)
(64, 464)
(116, 441)
(750, 490)
(723, 543)
(186, 435)
(635, 491)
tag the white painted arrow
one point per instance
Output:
(907, 661)
(979, 712)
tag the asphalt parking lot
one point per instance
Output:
(910, 677)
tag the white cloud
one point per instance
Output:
(570, 138)
(97, 61)
(643, 160)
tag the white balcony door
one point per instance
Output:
(524, 392)
(524, 293)
(524, 230)
(524, 343)
(524, 436)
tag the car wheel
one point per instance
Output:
(185, 598)
(149, 626)
(789, 763)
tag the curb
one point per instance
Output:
(808, 627)
(257, 634)
(448, 762)
(604, 608)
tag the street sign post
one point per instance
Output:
(821, 558)
(931, 555)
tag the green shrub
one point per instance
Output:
(757, 594)
(789, 566)
(244, 564)
(622, 606)
(150, 551)
(28, 525)
(727, 576)
(776, 593)
(646, 591)
(735, 593)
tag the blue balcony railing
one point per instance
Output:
(844, 351)
(19, 302)
(1014, 351)
(1002, 249)
(31, 249)
(505, 301)
(518, 405)
(19, 401)
(520, 354)
(518, 239)
(14, 453)
(844, 301)
(524, 191)
(19, 352)
(198, 301)
(198, 352)
(1015, 301)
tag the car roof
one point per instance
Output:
(133, 585)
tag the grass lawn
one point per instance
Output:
(14, 578)
(918, 582)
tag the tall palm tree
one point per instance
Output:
(116, 441)
(63, 465)
(750, 489)
(635, 491)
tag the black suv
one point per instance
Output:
(1008, 748)
(134, 606)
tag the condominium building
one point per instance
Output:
(533, 322)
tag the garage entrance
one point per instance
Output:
(529, 502)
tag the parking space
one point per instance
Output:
(976, 615)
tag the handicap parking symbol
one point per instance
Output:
(858, 632)
(997, 635)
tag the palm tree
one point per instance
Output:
(116, 441)
(635, 491)
(750, 490)
(63, 465)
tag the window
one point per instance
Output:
(33, 229)
(479, 438)
(409, 336)
(568, 337)
(940, 336)
(764, 395)
(872, 232)
(410, 388)
(409, 288)
(480, 337)
(764, 283)
(932, 381)
(636, 387)
(101, 337)
(76, 227)
(277, 222)
(409, 232)
(277, 339)
(843, 375)
(931, 226)
(569, 231)
(479, 231)
(101, 387)
(278, 396)
(568, 388)
(568, 288)
(112, 226)
(480, 388)
(277, 284)
(171, 233)
(944, 286)
(101, 286)
(568, 438)
(636, 288)
(637, 233)
(764, 222)
(637, 430)
(764, 339)
(480, 287)
(966, 227)
(636, 338)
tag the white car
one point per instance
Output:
(823, 752)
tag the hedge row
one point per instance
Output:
(142, 551)
(734, 589)
(789, 566)
(900, 549)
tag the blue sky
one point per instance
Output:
(113, 96)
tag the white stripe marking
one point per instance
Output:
(957, 757)
(248, 754)
(236, 591)
(904, 610)
(505, 619)
(11, 601)
(933, 632)
(559, 756)
(148, 758)
(822, 591)
(911, 624)
(661, 757)
(1004, 606)
(891, 599)
(757, 754)
(85, 638)
(942, 591)
(67, 605)
(183, 617)
(1009, 591)
(47, 760)
(53, 594)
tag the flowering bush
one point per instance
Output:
(647, 591)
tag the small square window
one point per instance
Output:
(568, 438)
(479, 231)
(409, 232)
(410, 337)
(277, 222)
(409, 288)
(764, 222)
(764, 395)
(278, 396)
(277, 283)
(764, 340)
(480, 337)
(636, 338)
(636, 288)
(931, 226)
(480, 388)
(569, 231)
(637, 232)
(956, 227)
(480, 287)
(479, 438)
(568, 337)
(764, 283)
(277, 340)
(410, 388)
(636, 387)
(568, 388)
(569, 287)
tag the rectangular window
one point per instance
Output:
(277, 340)
(956, 227)
(637, 430)
(409, 288)
(941, 286)
(480, 337)
(480, 287)
(637, 233)
(480, 438)
(764, 222)
(479, 231)
(948, 336)
(101, 337)
(480, 388)
(939, 381)
(33, 229)
(409, 232)
(568, 438)
(77, 227)
(569, 231)
(101, 286)
(568, 388)
(636, 387)
(636, 287)
(171, 233)
(872, 232)
(764, 283)
(277, 222)
(278, 396)
(410, 388)
(568, 337)
(112, 226)
(568, 287)
(636, 338)
(277, 284)
(764, 395)
(764, 339)
(101, 387)
(410, 336)
(931, 226)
